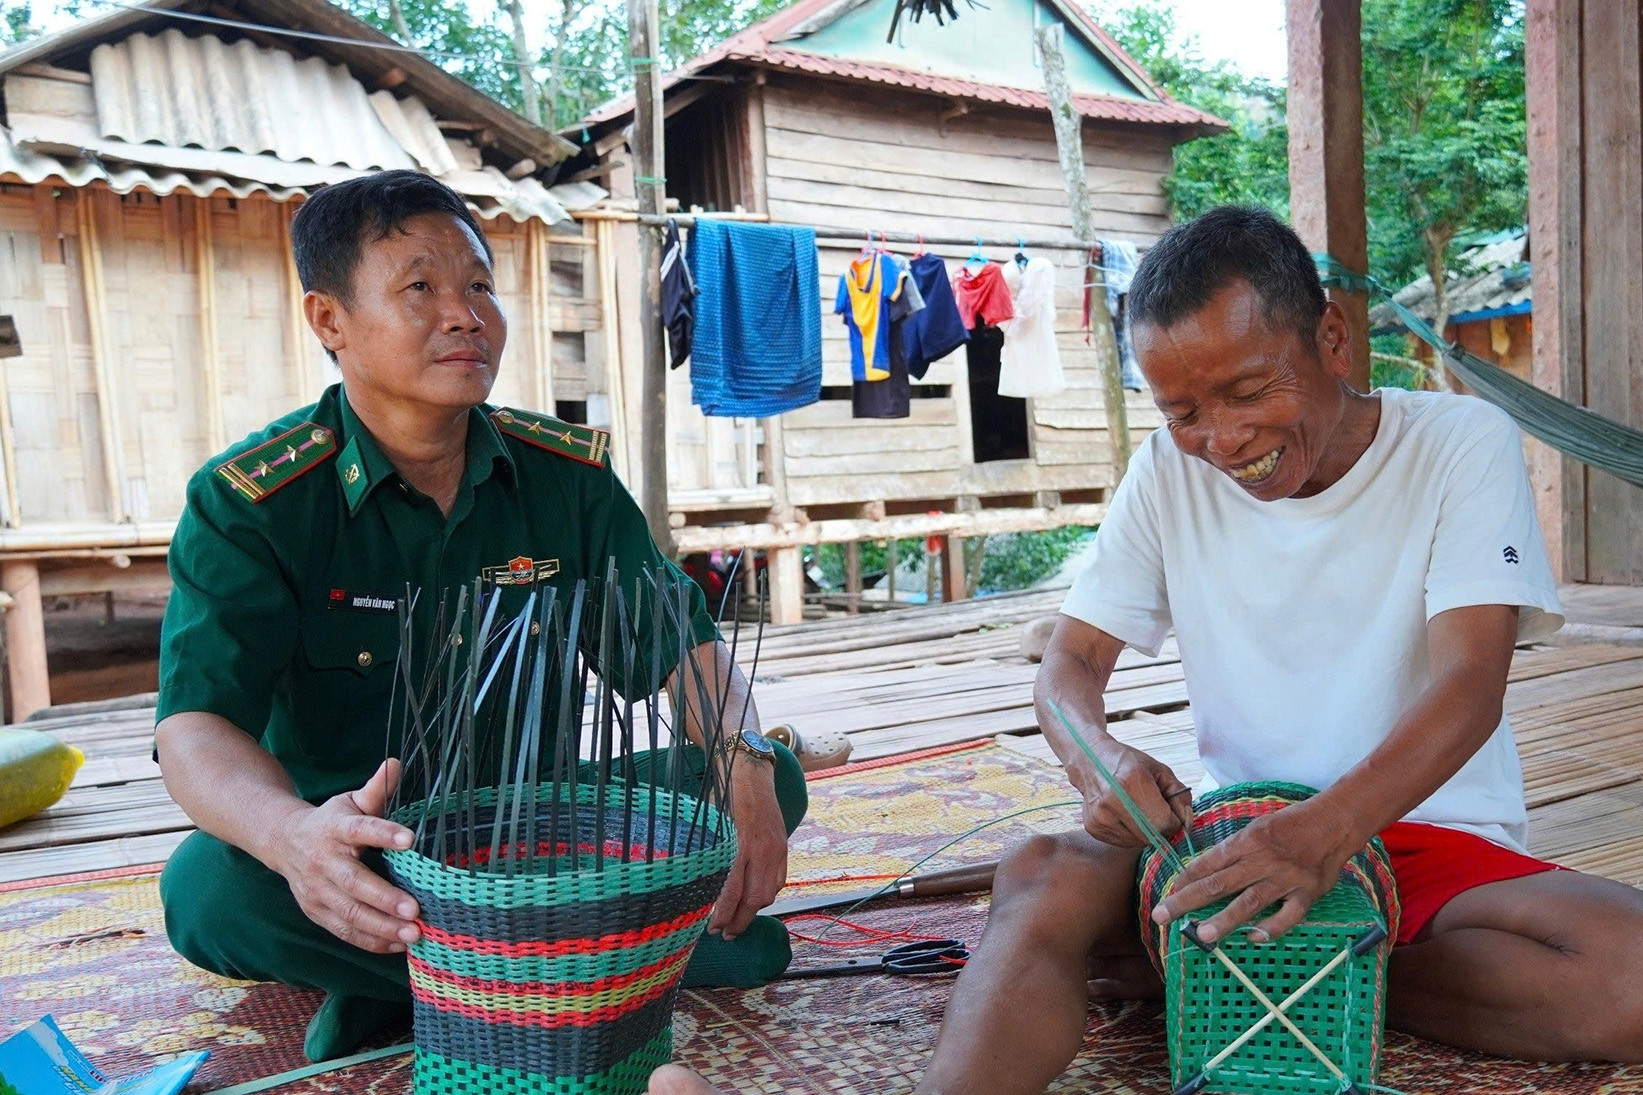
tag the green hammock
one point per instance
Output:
(1574, 431)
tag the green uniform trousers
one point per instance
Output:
(227, 913)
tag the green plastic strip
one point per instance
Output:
(295, 1074)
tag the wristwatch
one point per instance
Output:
(753, 744)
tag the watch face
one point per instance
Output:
(757, 742)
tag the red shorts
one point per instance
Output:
(1433, 864)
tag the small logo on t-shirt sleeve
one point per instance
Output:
(1509, 554)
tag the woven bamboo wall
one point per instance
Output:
(186, 372)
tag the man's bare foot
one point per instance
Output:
(673, 1080)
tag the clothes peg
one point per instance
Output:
(1021, 252)
(976, 257)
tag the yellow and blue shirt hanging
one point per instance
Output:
(867, 291)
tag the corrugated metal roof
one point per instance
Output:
(760, 44)
(1490, 279)
(1103, 107)
(169, 112)
(370, 54)
(490, 193)
(177, 90)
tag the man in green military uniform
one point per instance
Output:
(280, 639)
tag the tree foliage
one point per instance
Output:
(16, 25)
(1445, 130)
(1247, 165)
(1444, 126)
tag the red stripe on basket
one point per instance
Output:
(536, 948)
(588, 1018)
(551, 989)
(613, 850)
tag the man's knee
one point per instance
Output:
(1064, 882)
(212, 895)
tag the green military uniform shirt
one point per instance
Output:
(296, 546)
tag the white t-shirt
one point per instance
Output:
(1302, 621)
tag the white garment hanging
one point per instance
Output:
(1030, 363)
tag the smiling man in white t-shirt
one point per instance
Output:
(1346, 576)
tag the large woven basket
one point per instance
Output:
(563, 982)
(1207, 1008)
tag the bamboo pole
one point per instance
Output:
(297, 322)
(536, 251)
(615, 382)
(206, 265)
(91, 274)
(1069, 143)
(8, 451)
(649, 163)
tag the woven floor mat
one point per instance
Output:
(873, 1035)
(93, 953)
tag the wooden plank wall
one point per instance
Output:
(842, 156)
(153, 334)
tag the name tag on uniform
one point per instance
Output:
(520, 571)
(362, 602)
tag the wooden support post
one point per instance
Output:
(891, 562)
(91, 273)
(205, 263)
(1552, 58)
(953, 587)
(649, 162)
(1326, 199)
(1069, 145)
(852, 576)
(25, 639)
(786, 585)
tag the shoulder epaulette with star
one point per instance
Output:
(273, 464)
(582, 443)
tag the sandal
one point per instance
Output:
(824, 749)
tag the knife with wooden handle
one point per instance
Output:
(976, 878)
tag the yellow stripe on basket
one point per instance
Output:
(549, 1003)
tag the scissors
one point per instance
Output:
(926, 956)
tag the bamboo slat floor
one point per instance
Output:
(918, 678)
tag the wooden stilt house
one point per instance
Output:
(150, 162)
(811, 117)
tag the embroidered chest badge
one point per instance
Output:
(520, 571)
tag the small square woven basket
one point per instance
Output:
(1207, 1008)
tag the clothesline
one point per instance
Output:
(688, 219)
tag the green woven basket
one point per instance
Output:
(1207, 1007)
(561, 979)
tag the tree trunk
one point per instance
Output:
(1436, 245)
(396, 16)
(556, 73)
(1069, 144)
(522, 54)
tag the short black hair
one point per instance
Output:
(333, 225)
(1194, 261)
